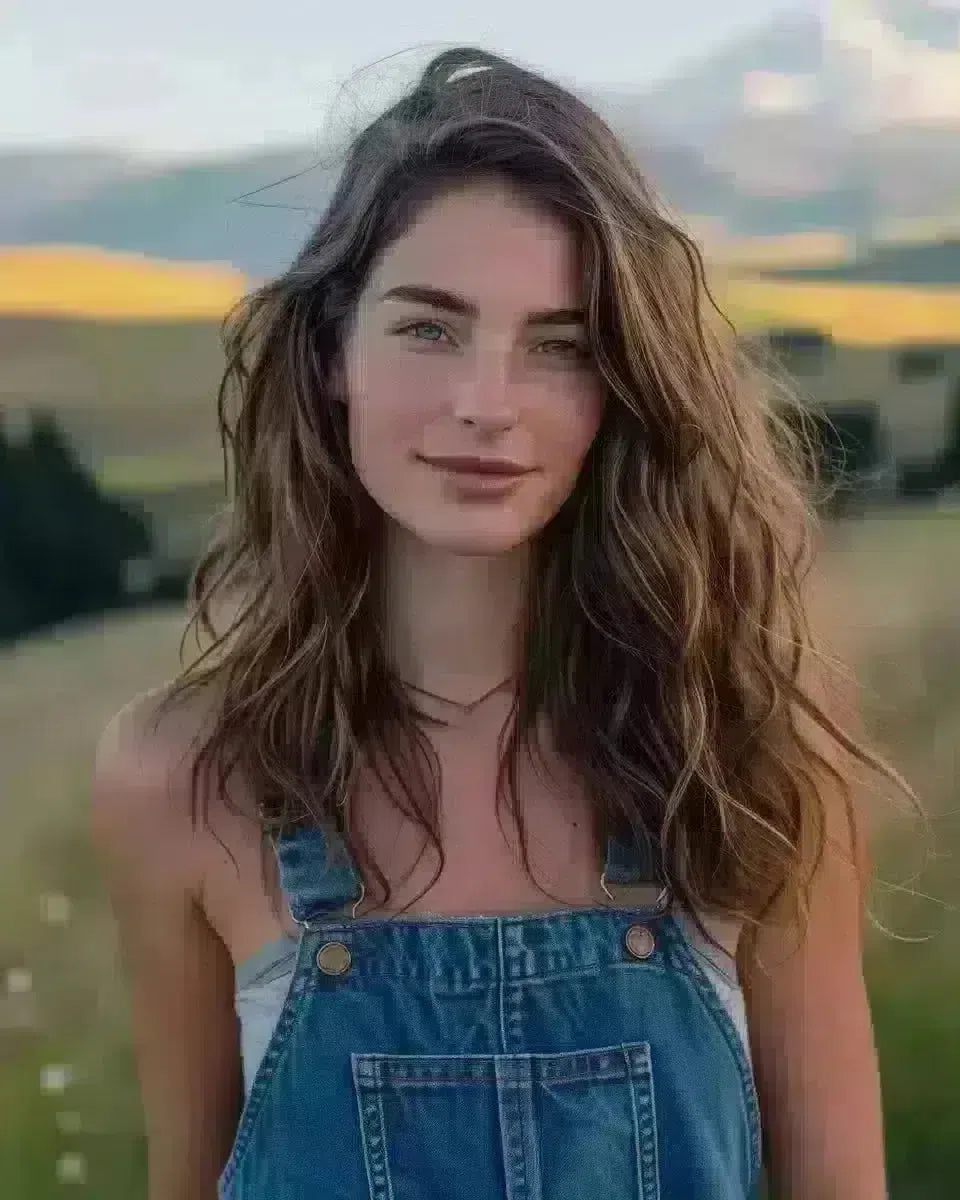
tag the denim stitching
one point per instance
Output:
(645, 1128)
(707, 992)
(276, 1047)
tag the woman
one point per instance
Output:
(514, 532)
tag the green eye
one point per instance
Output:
(416, 325)
(575, 350)
(568, 347)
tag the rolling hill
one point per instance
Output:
(199, 210)
(793, 128)
(914, 264)
(93, 284)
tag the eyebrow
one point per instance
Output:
(439, 298)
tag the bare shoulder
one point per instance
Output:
(179, 971)
(142, 793)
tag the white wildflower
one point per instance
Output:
(55, 1078)
(72, 1168)
(57, 909)
(19, 980)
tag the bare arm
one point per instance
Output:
(811, 1032)
(178, 971)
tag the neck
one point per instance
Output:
(452, 621)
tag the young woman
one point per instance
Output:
(510, 809)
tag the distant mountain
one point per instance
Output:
(34, 183)
(201, 210)
(708, 96)
(854, 64)
(928, 264)
(935, 25)
(846, 121)
(849, 117)
(204, 209)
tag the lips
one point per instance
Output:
(469, 465)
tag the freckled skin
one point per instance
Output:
(427, 382)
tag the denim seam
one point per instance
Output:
(373, 1123)
(410, 1076)
(386, 1158)
(645, 1133)
(272, 1057)
(704, 988)
(365, 1114)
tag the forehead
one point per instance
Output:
(486, 243)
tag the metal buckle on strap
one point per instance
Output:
(311, 927)
(661, 904)
(663, 900)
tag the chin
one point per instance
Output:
(475, 542)
(461, 535)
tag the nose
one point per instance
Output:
(486, 400)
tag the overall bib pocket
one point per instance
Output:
(519, 1126)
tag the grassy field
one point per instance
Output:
(119, 389)
(89, 283)
(794, 250)
(67, 1088)
(126, 350)
(853, 314)
(83, 281)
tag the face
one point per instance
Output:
(472, 395)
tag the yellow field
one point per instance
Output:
(855, 314)
(94, 284)
(86, 282)
(785, 250)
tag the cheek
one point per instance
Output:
(387, 411)
(567, 430)
(393, 387)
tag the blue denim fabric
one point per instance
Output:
(528, 1057)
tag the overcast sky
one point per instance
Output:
(182, 76)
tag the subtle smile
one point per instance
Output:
(470, 465)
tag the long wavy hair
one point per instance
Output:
(666, 646)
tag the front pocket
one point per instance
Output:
(567, 1126)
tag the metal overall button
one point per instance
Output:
(639, 941)
(333, 958)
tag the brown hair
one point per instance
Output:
(667, 642)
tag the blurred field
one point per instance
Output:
(80, 281)
(126, 350)
(891, 588)
(855, 314)
(138, 399)
(807, 249)
(90, 283)
(121, 390)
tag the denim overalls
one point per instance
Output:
(574, 1055)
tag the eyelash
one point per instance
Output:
(582, 352)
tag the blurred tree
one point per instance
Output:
(951, 457)
(63, 543)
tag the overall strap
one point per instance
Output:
(635, 862)
(317, 875)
